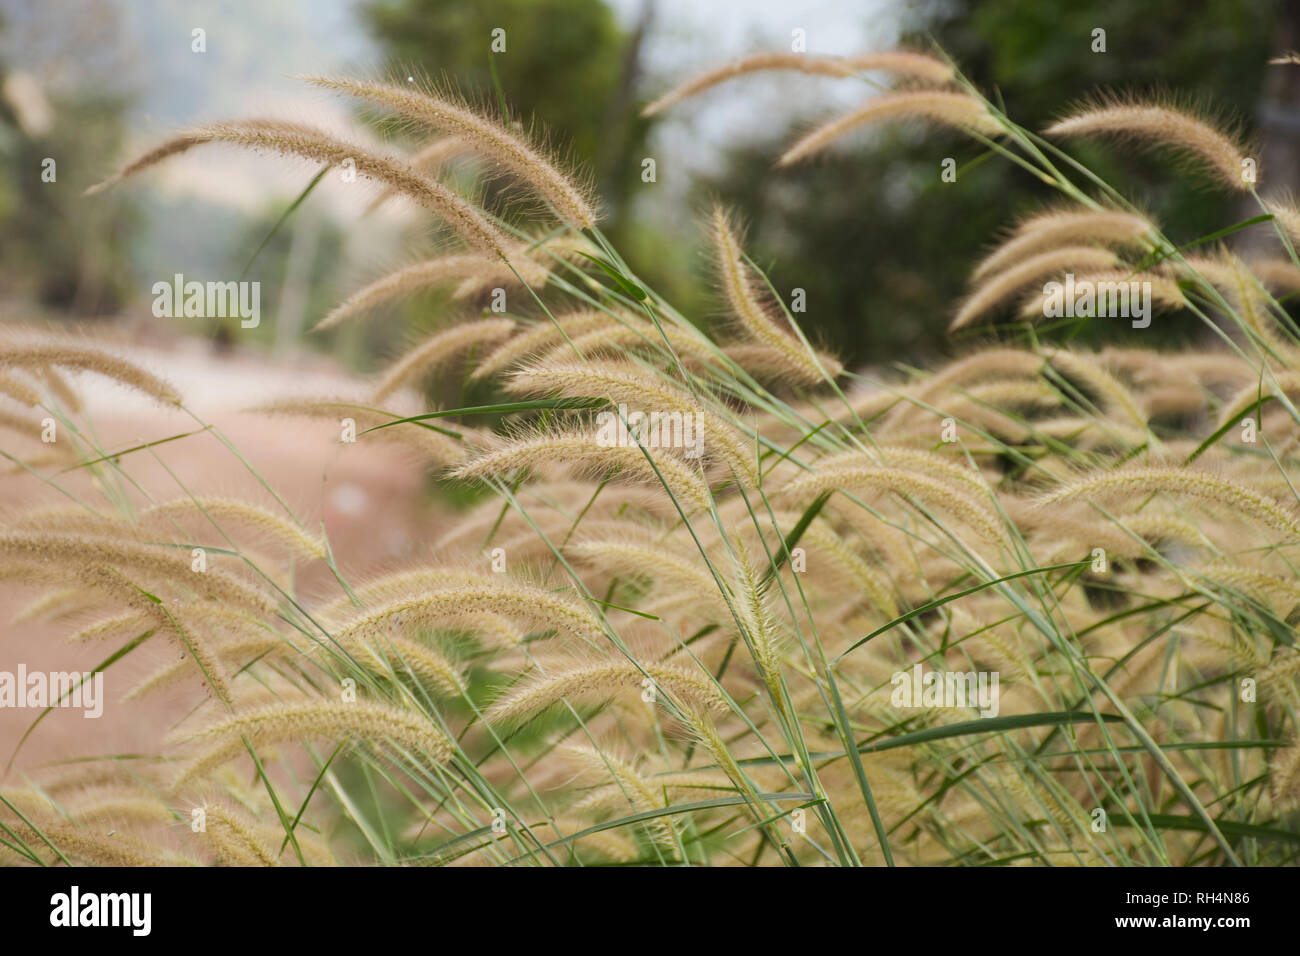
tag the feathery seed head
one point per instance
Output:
(1167, 126)
(916, 67)
(960, 110)
(482, 135)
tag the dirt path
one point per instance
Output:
(370, 499)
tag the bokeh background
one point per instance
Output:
(880, 244)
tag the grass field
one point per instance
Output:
(709, 597)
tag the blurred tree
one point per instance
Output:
(565, 63)
(296, 265)
(568, 69)
(62, 250)
(882, 245)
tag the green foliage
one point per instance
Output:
(61, 250)
(454, 40)
(587, 106)
(912, 246)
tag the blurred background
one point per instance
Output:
(880, 244)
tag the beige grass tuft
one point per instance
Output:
(746, 304)
(485, 137)
(1163, 126)
(307, 142)
(960, 110)
(296, 722)
(438, 349)
(916, 67)
(602, 681)
(424, 275)
(40, 356)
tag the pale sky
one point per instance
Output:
(691, 36)
(255, 47)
